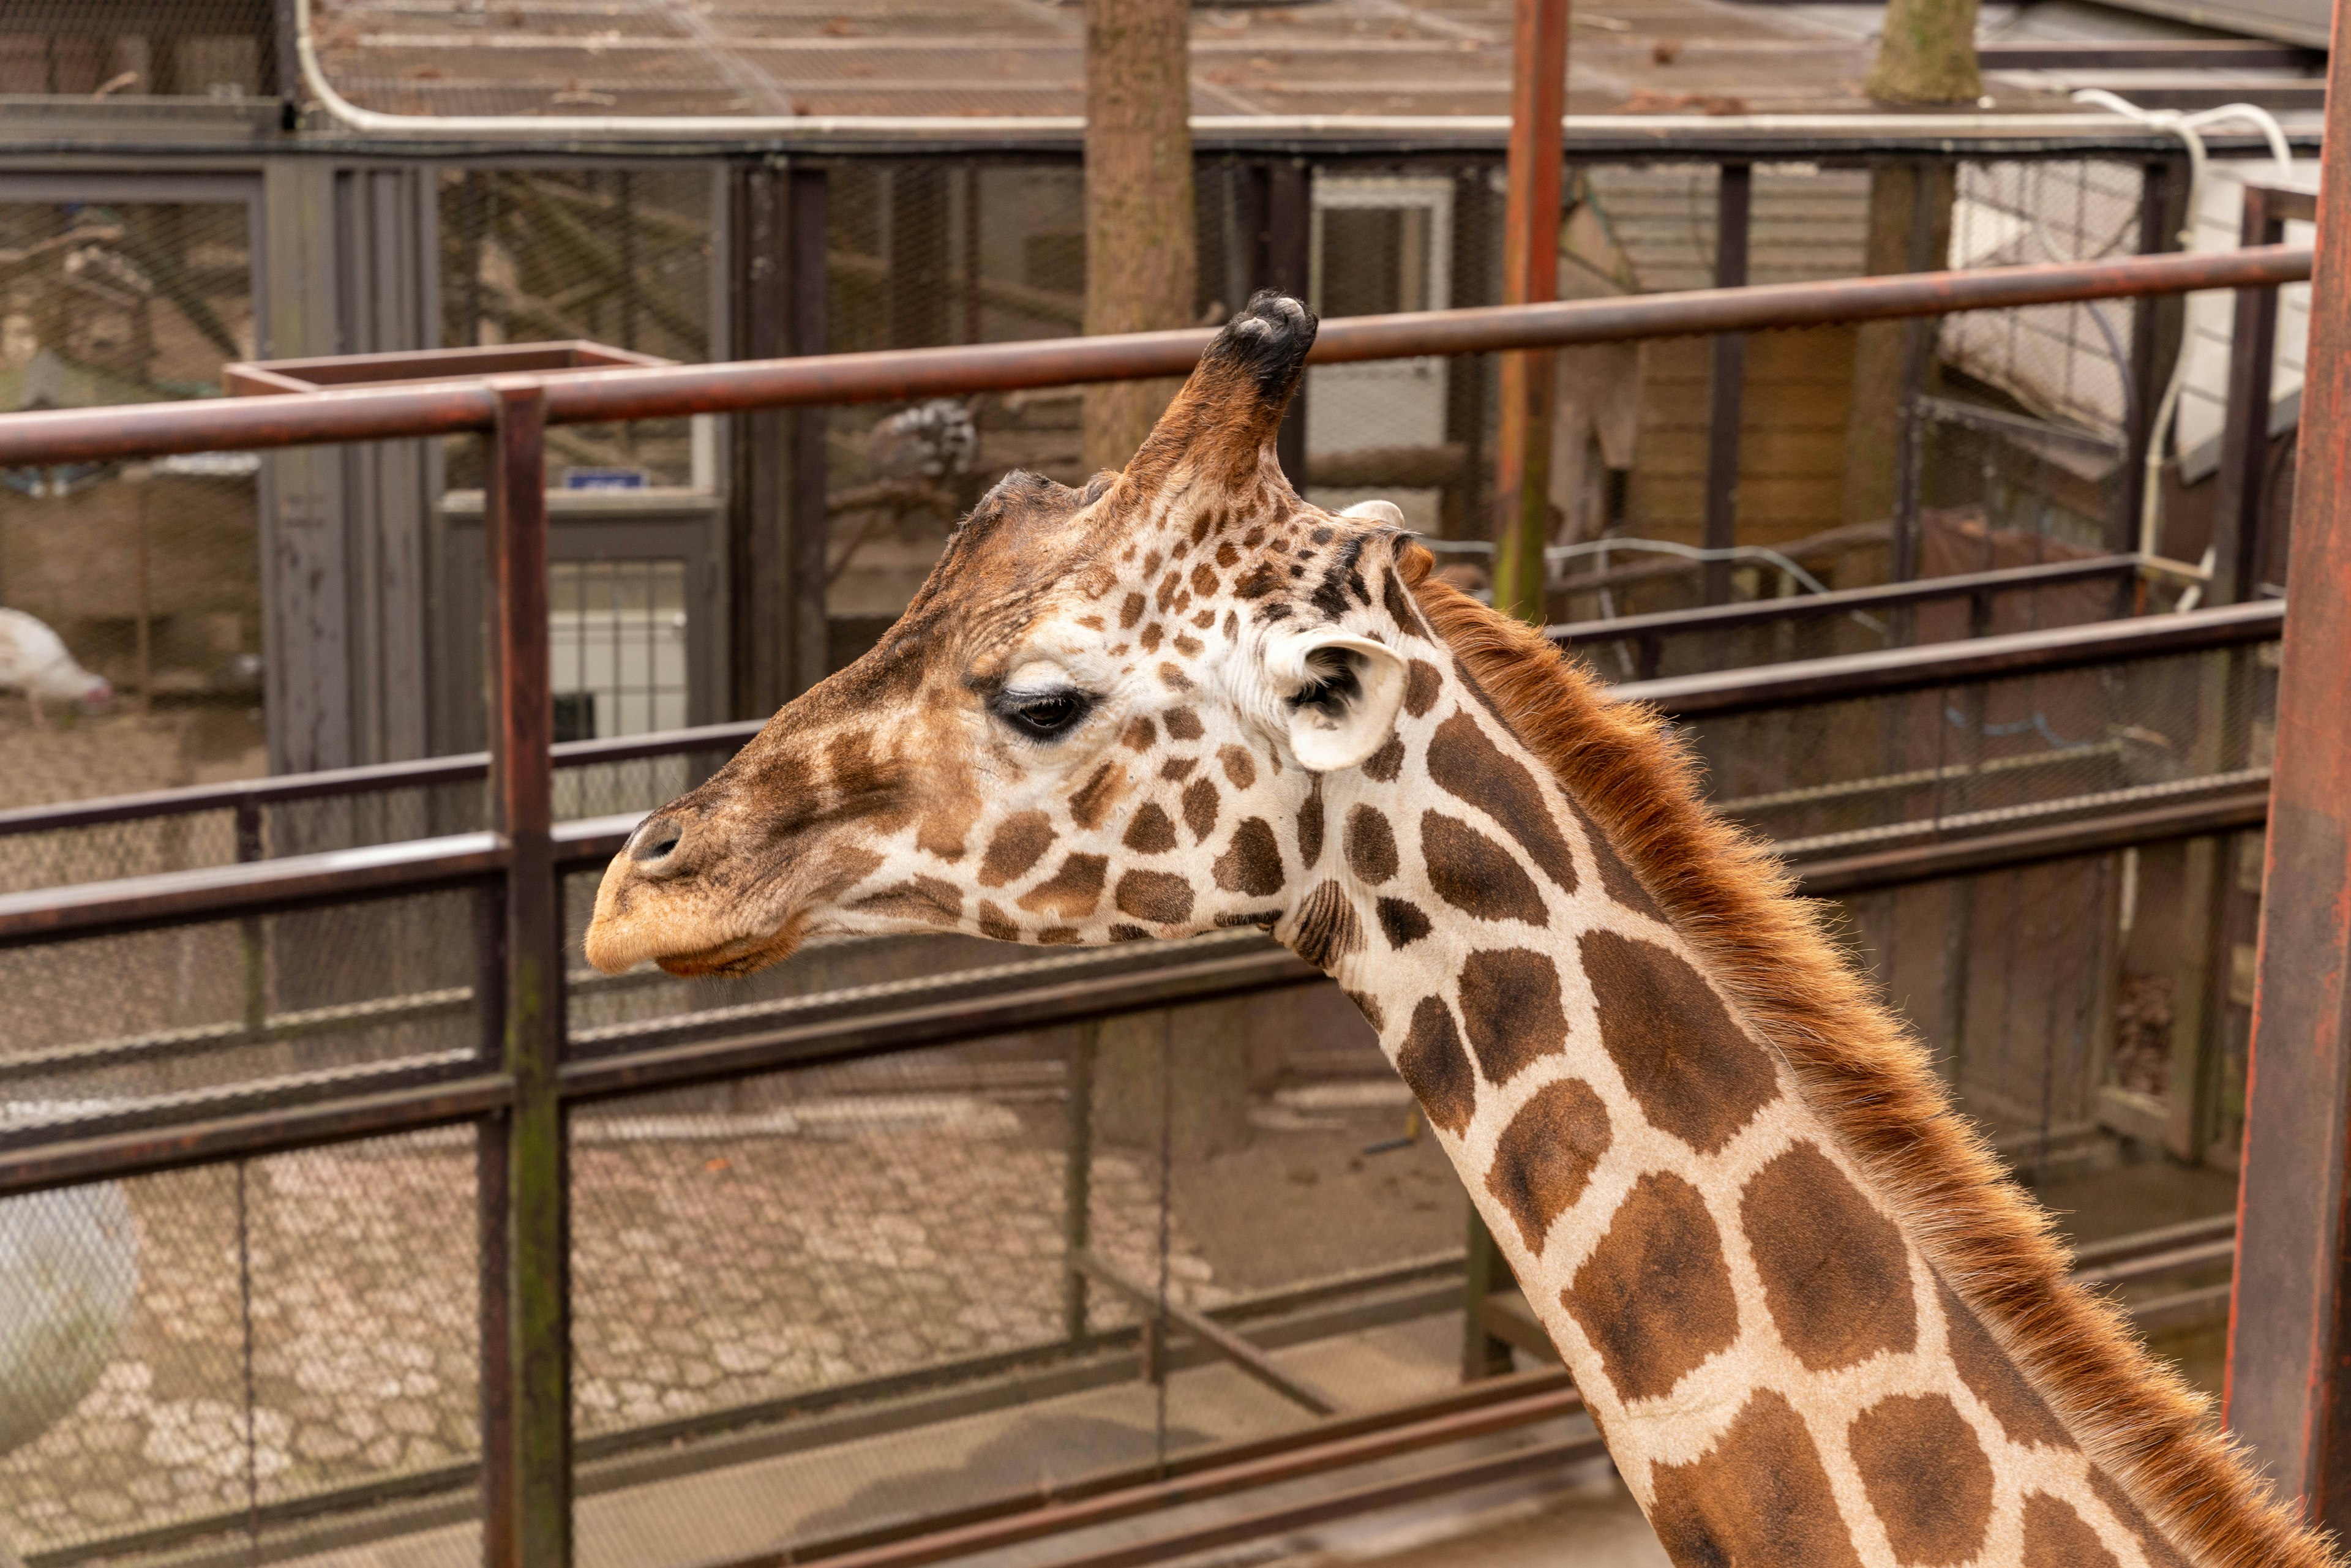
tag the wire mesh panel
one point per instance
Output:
(1856, 773)
(223, 1352)
(844, 1298)
(130, 596)
(108, 1032)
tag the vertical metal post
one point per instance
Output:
(2237, 521)
(1463, 510)
(808, 332)
(1732, 206)
(1287, 262)
(253, 952)
(1482, 1354)
(762, 587)
(1910, 433)
(2156, 327)
(1530, 276)
(1077, 1178)
(526, 1411)
(2290, 1323)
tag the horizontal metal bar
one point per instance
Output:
(1885, 672)
(1247, 1357)
(104, 1117)
(119, 1155)
(2113, 1249)
(1993, 422)
(285, 788)
(257, 887)
(2033, 846)
(1536, 1459)
(594, 397)
(942, 1023)
(2187, 1307)
(2152, 54)
(1196, 1484)
(2197, 1255)
(1838, 601)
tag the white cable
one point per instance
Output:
(2189, 127)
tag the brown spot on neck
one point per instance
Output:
(1836, 1274)
(1251, 864)
(1928, 1479)
(1694, 1070)
(1655, 1297)
(1466, 764)
(1991, 1376)
(2056, 1537)
(1475, 874)
(1511, 1009)
(1546, 1156)
(1759, 1498)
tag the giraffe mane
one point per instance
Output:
(1862, 1071)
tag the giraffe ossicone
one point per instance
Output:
(1813, 1325)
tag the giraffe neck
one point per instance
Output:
(1780, 1373)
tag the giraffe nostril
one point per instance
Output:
(653, 842)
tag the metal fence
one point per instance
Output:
(897, 1242)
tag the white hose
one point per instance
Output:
(2189, 129)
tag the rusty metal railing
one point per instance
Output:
(515, 1091)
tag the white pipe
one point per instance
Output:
(2189, 129)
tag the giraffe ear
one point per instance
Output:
(1338, 694)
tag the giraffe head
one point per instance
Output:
(1105, 716)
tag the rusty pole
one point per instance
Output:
(526, 1178)
(1530, 276)
(2290, 1319)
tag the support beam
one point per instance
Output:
(807, 330)
(2290, 1325)
(1245, 1356)
(525, 1175)
(1530, 276)
(1733, 205)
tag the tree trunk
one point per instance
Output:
(1141, 252)
(1896, 244)
(1926, 54)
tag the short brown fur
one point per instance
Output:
(1865, 1077)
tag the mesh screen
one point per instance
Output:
(841, 1292)
(130, 646)
(1848, 775)
(113, 1032)
(222, 49)
(222, 1351)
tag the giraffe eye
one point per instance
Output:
(1044, 715)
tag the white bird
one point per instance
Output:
(34, 661)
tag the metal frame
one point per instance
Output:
(518, 1088)
(2290, 1326)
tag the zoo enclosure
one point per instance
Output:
(365, 646)
(516, 1086)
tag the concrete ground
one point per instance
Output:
(765, 1502)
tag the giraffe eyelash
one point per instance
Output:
(1043, 716)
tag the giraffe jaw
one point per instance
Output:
(637, 920)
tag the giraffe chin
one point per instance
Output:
(732, 960)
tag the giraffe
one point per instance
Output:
(1813, 1325)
